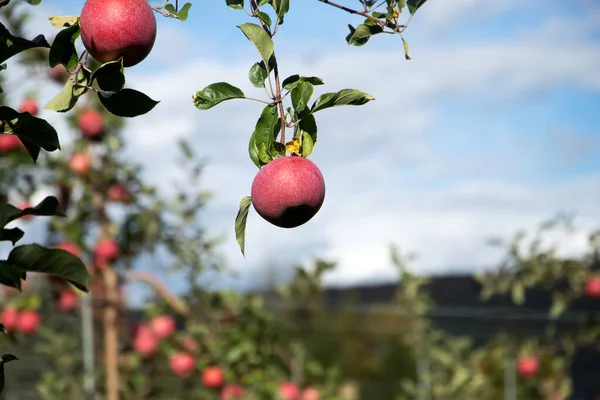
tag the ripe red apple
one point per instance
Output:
(289, 391)
(162, 326)
(144, 342)
(232, 392)
(80, 163)
(10, 318)
(188, 344)
(58, 74)
(212, 377)
(107, 250)
(311, 394)
(111, 29)
(182, 364)
(592, 287)
(29, 322)
(288, 191)
(91, 123)
(9, 143)
(23, 206)
(528, 367)
(67, 300)
(29, 105)
(118, 193)
(70, 247)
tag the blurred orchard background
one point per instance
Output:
(454, 256)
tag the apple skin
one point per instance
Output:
(311, 394)
(29, 322)
(289, 391)
(107, 250)
(592, 287)
(111, 29)
(162, 326)
(23, 206)
(67, 301)
(9, 143)
(212, 377)
(10, 318)
(70, 247)
(232, 392)
(80, 163)
(91, 123)
(528, 367)
(144, 342)
(182, 364)
(58, 74)
(288, 191)
(29, 105)
(118, 193)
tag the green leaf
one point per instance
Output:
(182, 14)
(47, 207)
(240, 223)
(264, 17)
(235, 4)
(292, 81)
(261, 141)
(559, 305)
(61, 21)
(12, 235)
(301, 95)
(260, 39)
(343, 97)
(63, 48)
(216, 93)
(110, 77)
(307, 132)
(7, 357)
(518, 293)
(127, 103)
(405, 43)
(281, 7)
(57, 262)
(66, 99)
(362, 34)
(10, 275)
(414, 5)
(34, 132)
(258, 72)
(11, 45)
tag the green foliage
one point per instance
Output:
(240, 222)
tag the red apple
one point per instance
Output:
(80, 163)
(107, 250)
(10, 318)
(182, 364)
(29, 322)
(58, 74)
(592, 287)
(528, 367)
(162, 326)
(91, 123)
(288, 191)
(23, 206)
(311, 394)
(188, 344)
(232, 392)
(144, 342)
(70, 247)
(118, 193)
(29, 105)
(9, 143)
(212, 377)
(111, 29)
(67, 300)
(289, 391)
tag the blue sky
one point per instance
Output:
(492, 127)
